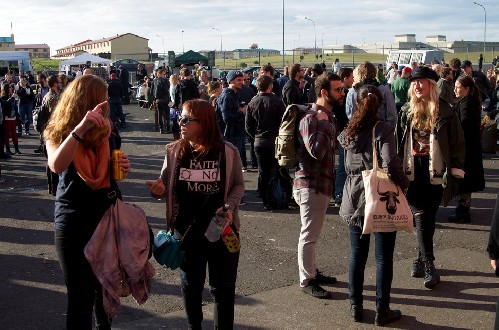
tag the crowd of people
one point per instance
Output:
(426, 122)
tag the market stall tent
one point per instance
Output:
(83, 59)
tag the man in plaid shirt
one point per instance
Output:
(314, 178)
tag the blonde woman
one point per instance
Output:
(431, 144)
(79, 141)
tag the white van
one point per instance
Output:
(406, 57)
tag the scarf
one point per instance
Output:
(437, 164)
(92, 164)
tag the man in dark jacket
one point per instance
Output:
(125, 82)
(483, 84)
(263, 119)
(161, 97)
(291, 92)
(232, 114)
(186, 90)
(114, 90)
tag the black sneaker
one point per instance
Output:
(357, 311)
(324, 279)
(315, 290)
(417, 268)
(337, 201)
(431, 277)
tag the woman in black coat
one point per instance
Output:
(468, 109)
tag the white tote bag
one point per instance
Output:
(386, 207)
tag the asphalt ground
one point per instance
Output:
(267, 294)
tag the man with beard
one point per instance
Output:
(314, 178)
(291, 92)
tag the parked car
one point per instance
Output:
(127, 63)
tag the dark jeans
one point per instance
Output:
(84, 289)
(163, 115)
(341, 175)
(240, 144)
(383, 252)
(222, 267)
(424, 199)
(267, 166)
(116, 109)
(254, 161)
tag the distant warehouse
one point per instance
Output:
(126, 45)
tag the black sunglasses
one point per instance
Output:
(186, 119)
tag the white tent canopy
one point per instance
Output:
(83, 59)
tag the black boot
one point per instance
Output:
(386, 315)
(417, 268)
(7, 151)
(16, 149)
(431, 277)
(461, 215)
(356, 311)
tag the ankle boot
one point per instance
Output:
(461, 215)
(16, 149)
(7, 150)
(431, 277)
(417, 268)
(356, 312)
(386, 315)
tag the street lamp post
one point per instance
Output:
(485, 23)
(315, 35)
(164, 50)
(221, 45)
(283, 34)
(183, 49)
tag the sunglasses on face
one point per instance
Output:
(186, 119)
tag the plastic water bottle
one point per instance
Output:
(217, 224)
(230, 239)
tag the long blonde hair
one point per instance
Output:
(80, 96)
(424, 112)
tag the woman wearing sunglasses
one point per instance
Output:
(196, 187)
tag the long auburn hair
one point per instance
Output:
(369, 99)
(80, 96)
(210, 137)
(424, 112)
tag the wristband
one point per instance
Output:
(76, 137)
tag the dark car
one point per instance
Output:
(127, 63)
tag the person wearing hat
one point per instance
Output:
(431, 144)
(231, 114)
(400, 87)
(483, 84)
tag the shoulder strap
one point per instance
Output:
(375, 154)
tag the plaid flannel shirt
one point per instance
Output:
(316, 147)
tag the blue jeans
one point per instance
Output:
(26, 112)
(341, 175)
(359, 251)
(116, 109)
(240, 144)
(222, 268)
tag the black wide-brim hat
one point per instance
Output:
(424, 72)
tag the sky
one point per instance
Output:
(60, 23)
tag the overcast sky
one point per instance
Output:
(60, 23)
